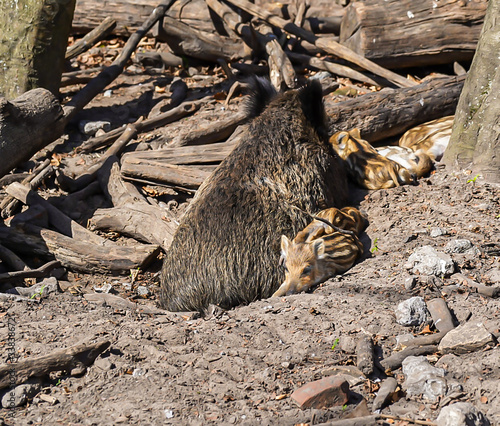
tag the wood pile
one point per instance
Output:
(289, 42)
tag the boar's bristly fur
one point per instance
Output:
(227, 247)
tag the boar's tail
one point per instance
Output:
(261, 93)
(311, 98)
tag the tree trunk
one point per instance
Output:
(33, 41)
(475, 138)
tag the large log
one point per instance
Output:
(405, 33)
(389, 113)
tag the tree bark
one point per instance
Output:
(33, 41)
(475, 138)
(405, 33)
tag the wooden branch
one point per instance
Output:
(79, 77)
(74, 360)
(387, 388)
(441, 315)
(105, 28)
(390, 113)
(401, 33)
(116, 149)
(281, 72)
(132, 214)
(364, 354)
(327, 44)
(183, 110)
(395, 361)
(107, 75)
(210, 133)
(184, 40)
(485, 290)
(332, 67)
(77, 254)
(40, 272)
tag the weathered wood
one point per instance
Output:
(132, 214)
(105, 28)
(33, 40)
(23, 126)
(364, 354)
(184, 40)
(77, 254)
(11, 259)
(327, 44)
(395, 361)
(388, 113)
(440, 314)
(213, 132)
(190, 177)
(197, 154)
(403, 33)
(181, 111)
(74, 360)
(40, 272)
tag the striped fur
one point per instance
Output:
(365, 165)
(431, 137)
(319, 252)
(418, 163)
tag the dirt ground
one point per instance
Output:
(241, 366)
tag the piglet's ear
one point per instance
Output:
(285, 245)
(318, 247)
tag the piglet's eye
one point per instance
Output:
(307, 270)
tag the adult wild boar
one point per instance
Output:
(227, 247)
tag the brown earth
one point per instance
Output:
(241, 366)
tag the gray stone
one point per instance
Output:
(461, 246)
(90, 128)
(21, 394)
(437, 232)
(461, 414)
(41, 289)
(402, 341)
(410, 282)
(105, 288)
(142, 290)
(428, 261)
(423, 379)
(468, 337)
(412, 312)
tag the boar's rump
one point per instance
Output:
(227, 247)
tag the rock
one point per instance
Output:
(90, 128)
(21, 394)
(142, 291)
(462, 246)
(461, 414)
(105, 288)
(428, 261)
(423, 379)
(468, 337)
(104, 364)
(402, 341)
(437, 232)
(411, 312)
(410, 282)
(41, 289)
(387, 388)
(324, 393)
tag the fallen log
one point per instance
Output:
(395, 361)
(77, 255)
(402, 33)
(131, 215)
(74, 360)
(389, 113)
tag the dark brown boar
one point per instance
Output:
(227, 246)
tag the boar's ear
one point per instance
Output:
(318, 247)
(311, 99)
(285, 244)
(261, 93)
